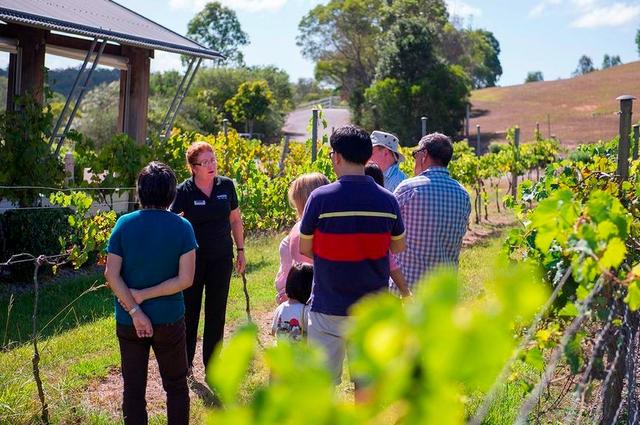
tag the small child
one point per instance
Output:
(395, 273)
(290, 318)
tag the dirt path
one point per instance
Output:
(105, 394)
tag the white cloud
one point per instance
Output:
(591, 13)
(462, 9)
(251, 6)
(594, 15)
(539, 9)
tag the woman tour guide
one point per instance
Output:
(210, 203)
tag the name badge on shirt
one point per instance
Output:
(223, 196)
(199, 202)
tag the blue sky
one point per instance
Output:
(544, 35)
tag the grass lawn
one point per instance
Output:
(79, 345)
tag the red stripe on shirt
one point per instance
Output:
(351, 246)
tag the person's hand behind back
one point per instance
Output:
(143, 325)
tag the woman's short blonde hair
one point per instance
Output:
(194, 150)
(301, 188)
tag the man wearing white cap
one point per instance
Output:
(387, 156)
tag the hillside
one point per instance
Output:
(581, 109)
(61, 80)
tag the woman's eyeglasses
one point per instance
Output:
(205, 163)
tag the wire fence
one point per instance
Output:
(104, 198)
(608, 375)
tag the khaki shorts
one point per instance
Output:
(327, 331)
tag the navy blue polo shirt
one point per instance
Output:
(351, 223)
(150, 243)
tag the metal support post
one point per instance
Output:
(626, 106)
(516, 156)
(314, 135)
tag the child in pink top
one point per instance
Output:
(299, 192)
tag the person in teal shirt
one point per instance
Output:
(150, 261)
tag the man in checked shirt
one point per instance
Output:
(435, 209)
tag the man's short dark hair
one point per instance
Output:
(375, 172)
(156, 185)
(299, 282)
(438, 146)
(353, 143)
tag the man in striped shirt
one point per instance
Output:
(348, 227)
(435, 209)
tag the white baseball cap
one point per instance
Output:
(387, 140)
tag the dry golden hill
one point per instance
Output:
(580, 110)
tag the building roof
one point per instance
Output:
(102, 19)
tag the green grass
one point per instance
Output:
(53, 317)
(476, 265)
(80, 347)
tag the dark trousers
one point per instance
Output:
(168, 343)
(212, 277)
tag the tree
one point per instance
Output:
(98, 116)
(611, 61)
(476, 51)
(406, 52)
(638, 41)
(203, 109)
(218, 28)
(252, 102)
(533, 76)
(341, 37)
(585, 66)
(411, 81)
(487, 75)
(305, 90)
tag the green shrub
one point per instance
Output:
(36, 232)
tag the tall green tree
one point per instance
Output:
(611, 61)
(411, 81)
(638, 41)
(252, 102)
(218, 28)
(476, 51)
(407, 51)
(585, 66)
(432, 13)
(534, 76)
(341, 38)
(490, 70)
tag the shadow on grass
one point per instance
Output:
(254, 266)
(208, 397)
(55, 315)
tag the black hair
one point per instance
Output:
(438, 146)
(375, 172)
(353, 143)
(156, 185)
(299, 281)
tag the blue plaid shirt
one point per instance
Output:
(393, 177)
(435, 209)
